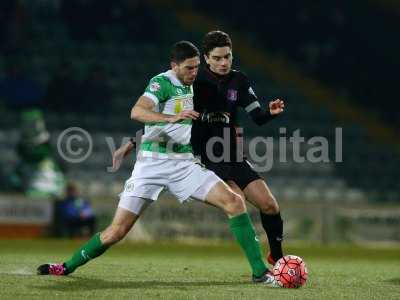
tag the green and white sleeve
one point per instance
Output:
(157, 90)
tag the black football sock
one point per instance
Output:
(273, 226)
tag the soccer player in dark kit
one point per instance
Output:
(218, 93)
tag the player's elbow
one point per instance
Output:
(135, 113)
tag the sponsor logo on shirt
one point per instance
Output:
(216, 117)
(232, 95)
(179, 105)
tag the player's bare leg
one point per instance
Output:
(240, 224)
(223, 197)
(122, 223)
(235, 188)
(258, 193)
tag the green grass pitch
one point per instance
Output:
(182, 271)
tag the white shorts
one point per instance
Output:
(183, 178)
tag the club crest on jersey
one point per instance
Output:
(232, 95)
(154, 86)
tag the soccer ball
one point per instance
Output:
(290, 272)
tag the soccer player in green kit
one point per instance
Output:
(166, 161)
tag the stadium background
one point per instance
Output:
(334, 63)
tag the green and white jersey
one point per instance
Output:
(168, 140)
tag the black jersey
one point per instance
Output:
(218, 98)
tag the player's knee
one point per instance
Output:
(269, 205)
(234, 204)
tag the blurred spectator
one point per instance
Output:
(38, 174)
(96, 92)
(62, 92)
(75, 214)
(19, 91)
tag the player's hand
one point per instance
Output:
(184, 115)
(119, 155)
(276, 107)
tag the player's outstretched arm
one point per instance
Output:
(261, 117)
(184, 115)
(120, 154)
(143, 112)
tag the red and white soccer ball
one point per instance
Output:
(290, 272)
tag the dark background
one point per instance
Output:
(335, 63)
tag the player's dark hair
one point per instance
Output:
(215, 39)
(183, 50)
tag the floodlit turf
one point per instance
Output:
(175, 271)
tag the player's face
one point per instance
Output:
(186, 71)
(220, 60)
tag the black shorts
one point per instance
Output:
(239, 172)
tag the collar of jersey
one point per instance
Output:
(172, 76)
